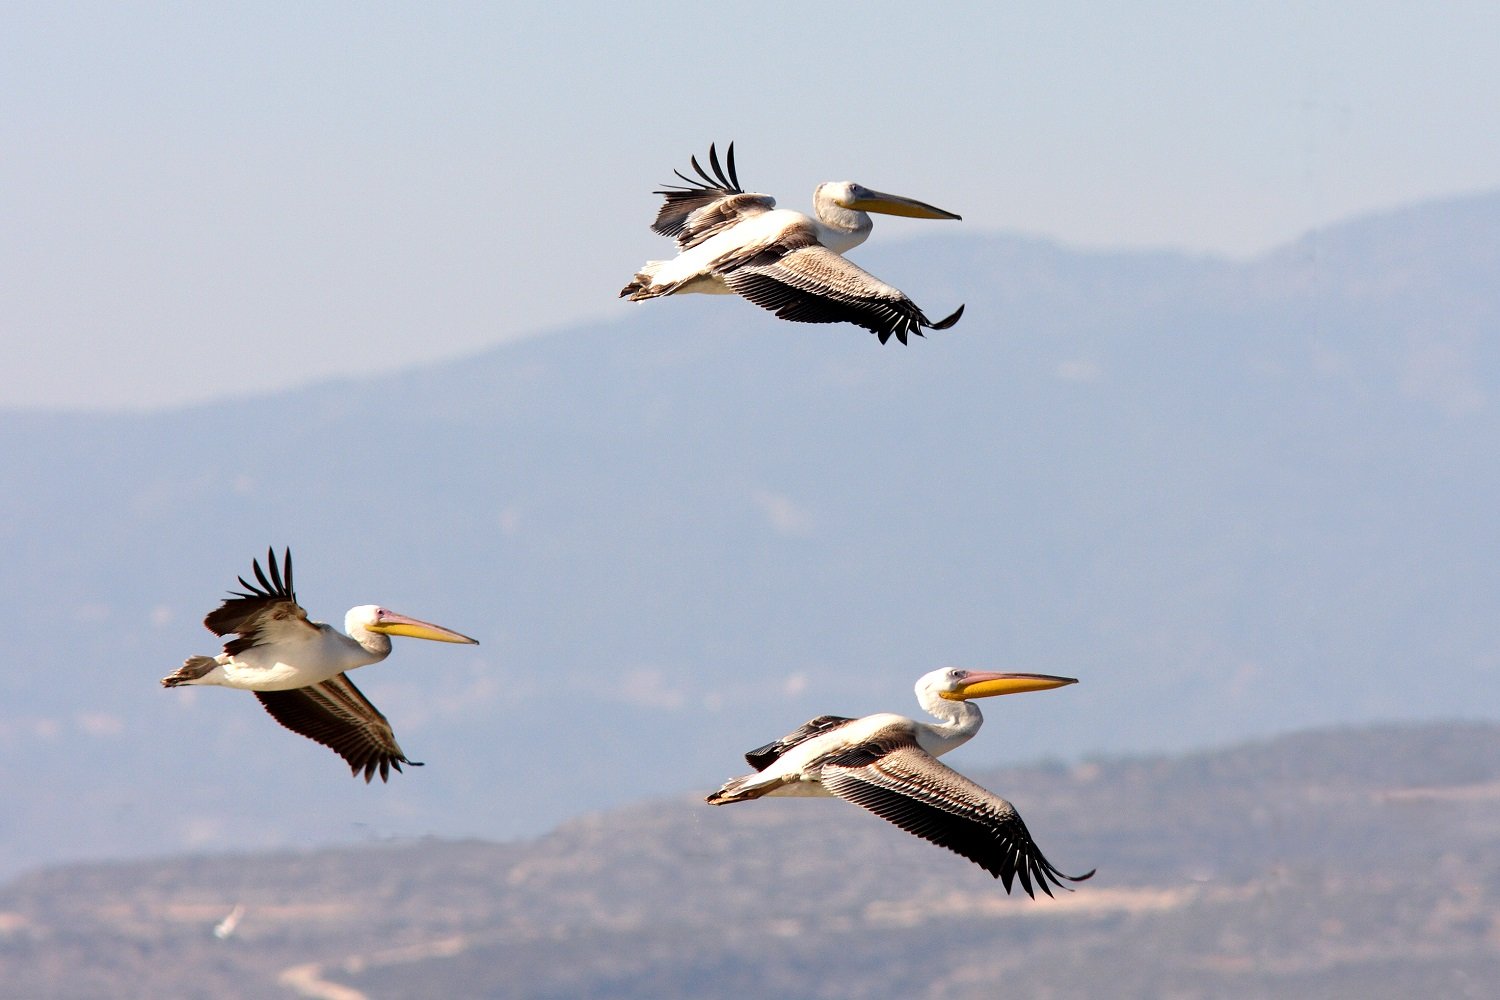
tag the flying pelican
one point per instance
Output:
(888, 764)
(730, 241)
(297, 667)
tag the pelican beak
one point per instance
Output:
(393, 624)
(984, 683)
(894, 204)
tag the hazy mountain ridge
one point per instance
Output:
(1234, 499)
(1343, 863)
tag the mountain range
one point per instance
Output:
(1234, 499)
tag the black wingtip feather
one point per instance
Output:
(384, 765)
(260, 574)
(275, 570)
(276, 583)
(944, 324)
(713, 159)
(718, 180)
(700, 171)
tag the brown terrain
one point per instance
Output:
(1357, 863)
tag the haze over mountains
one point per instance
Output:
(1233, 498)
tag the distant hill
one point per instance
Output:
(1235, 499)
(1336, 864)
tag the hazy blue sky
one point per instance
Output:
(203, 200)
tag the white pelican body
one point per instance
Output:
(297, 667)
(302, 658)
(699, 268)
(799, 771)
(888, 764)
(782, 260)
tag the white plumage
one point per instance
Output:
(888, 764)
(733, 241)
(297, 668)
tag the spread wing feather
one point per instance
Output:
(706, 205)
(902, 783)
(763, 757)
(803, 281)
(336, 714)
(261, 614)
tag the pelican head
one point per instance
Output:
(374, 618)
(858, 198)
(955, 684)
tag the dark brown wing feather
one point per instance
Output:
(336, 714)
(803, 281)
(763, 757)
(900, 782)
(708, 204)
(260, 614)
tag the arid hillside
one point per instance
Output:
(1357, 863)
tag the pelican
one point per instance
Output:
(888, 764)
(781, 260)
(297, 668)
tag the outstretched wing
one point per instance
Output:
(261, 615)
(707, 205)
(899, 781)
(336, 714)
(763, 757)
(801, 280)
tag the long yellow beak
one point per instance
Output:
(894, 204)
(984, 683)
(393, 624)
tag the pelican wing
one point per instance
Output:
(763, 757)
(801, 280)
(708, 204)
(336, 714)
(263, 614)
(897, 780)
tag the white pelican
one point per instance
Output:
(297, 667)
(782, 260)
(888, 764)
